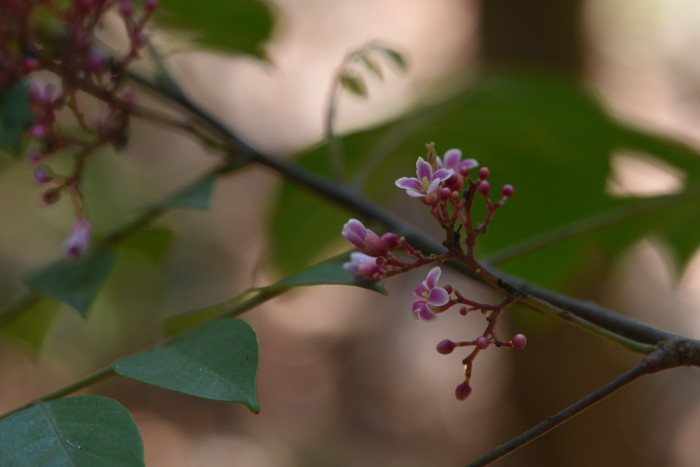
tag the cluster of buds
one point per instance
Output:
(58, 40)
(448, 186)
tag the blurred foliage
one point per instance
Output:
(233, 26)
(15, 116)
(548, 138)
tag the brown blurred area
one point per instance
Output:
(348, 378)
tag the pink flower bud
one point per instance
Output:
(50, 196)
(38, 131)
(519, 341)
(484, 173)
(481, 343)
(445, 347)
(151, 5)
(484, 187)
(42, 174)
(462, 391)
(79, 241)
(508, 191)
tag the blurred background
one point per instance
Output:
(348, 378)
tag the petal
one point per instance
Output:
(409, 183)
(433, 276)
(468, 164)
(423, 169)
(415, 194)
(438, 297)
(426, 313)
(443, 174)
(452, 158)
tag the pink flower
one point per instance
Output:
(367, 241)
(460, 168)
(429, 295)
(426, 182)
(79, 241)
(453, 160)
(364, 268)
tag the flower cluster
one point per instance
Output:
(448, 186)
(58, 40)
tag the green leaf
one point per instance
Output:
(395, 57)
(152, 244)
(216, 361)
(354, 84)
(228, 25)
(329, 272)
(75, 282)
(196, 196)
(83, 431)
(15, 116)
(372, 66)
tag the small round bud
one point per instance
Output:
(463, 311)
(79, 241)
(519, 341)
(462, 391)
(126, 8)
(445, 193)
(484, 187)
(96, 61)
(446, 347)
(151, 5)
(42, 174)
(481, 343)
(508, 191)
(51, 196)
(34, 156)
(38, 131)
(484, 173)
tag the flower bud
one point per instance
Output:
(446, 347)
(481, 342)
(484, 187)
(484, 173)
(519, 341)
(508, 191)
(79, 241)
(42, 174)
(462, 391)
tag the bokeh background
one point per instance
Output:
(348, 378)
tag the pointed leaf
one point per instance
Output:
(330, 272)
(230, 25)
(216, 361)
(15, 116)
(354, 84)
(395, 57)
(371, 65)
(75, 282)
(83, 431)
(196, 196)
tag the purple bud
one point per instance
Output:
(51, 196)
(484, 187)
(481, 343)
(508, 191)
(38, 131)
(484, 173)
(151, 5)
(78, 242)
(446, 347)
(462, 391)
(34, 156)
(42, 174)
(126, 8)
(519, 341)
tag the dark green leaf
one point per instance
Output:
(354, 84)
(83, 431)
(330, 272)
(216, 361)
(371, 65)
(75, 282)
(152, 244)
(395, 57)
(196, 196)
(229, 25)
(15, 116)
